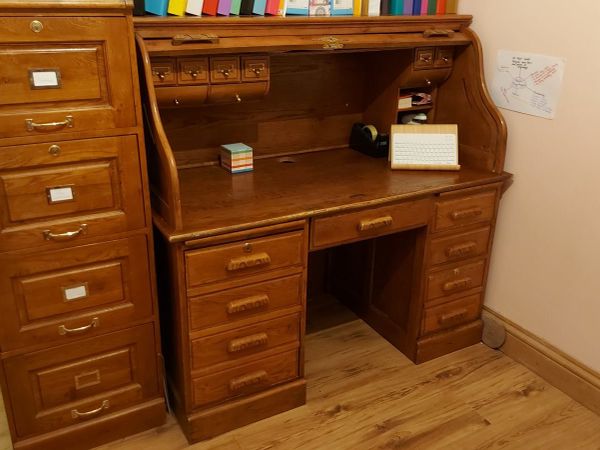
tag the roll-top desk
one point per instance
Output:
(237, 254)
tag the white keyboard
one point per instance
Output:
(430, 148)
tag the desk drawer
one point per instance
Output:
(250, 301)
(49, 189)
(468, 210)
(448, 315)
(73, 383)
(246, 379)
(246, 341)
(457, 247)
(55, 297)
(243, 258)
(455, 280)
(67, 77)
(368, 223)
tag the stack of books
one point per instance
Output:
(301, 7)
(237, 158)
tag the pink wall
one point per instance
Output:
(545, 271)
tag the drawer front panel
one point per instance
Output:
(354, 226)
(247, 379)
(193, 70)
(55, 188)
(255, 68)
(70, 384)
(237, 93)
(224, 69)
(451, 314)
(58, 296)
(455, 248)
(58, 80)
(462, 211)
(245, 341)
(164, 72)
(455, 280)
(246, 302)
(244, 258)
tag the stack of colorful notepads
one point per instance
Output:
(236, 158)
(301, 7)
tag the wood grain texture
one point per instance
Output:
(363, 394)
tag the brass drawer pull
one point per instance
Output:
(433, 33)
(244, 262)
(246, 304)
(463, 283)
(459, 250)
(466, 214)
(247, 342)
(252, 379)
(64, 331)
(373, 224)
(49, 236)
(50, 126)
(453, 317)
(81, 415)
(161, 74)
(180, 39)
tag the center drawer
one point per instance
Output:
(58, 296)
(244, 258)
(73, 383)
(65, 191)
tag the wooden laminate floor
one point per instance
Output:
(363, 394)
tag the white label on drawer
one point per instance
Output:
(75, 292)
(44, 78)
(60, 194)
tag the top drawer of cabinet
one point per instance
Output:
(243, 258)
(64, 74)
(460, 211)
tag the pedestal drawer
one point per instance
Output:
(65, 191)
(467, 210)
(73, 383)
(245, 379)
(461, 246)
(451, 314)
(244, 258)
(455, 280)
(245, 341)
(56, 296)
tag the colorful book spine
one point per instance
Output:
(432, 8)
(371, 7)
(441, 7)
(235, 7)
(224, 7)
(177, 7)
(451, 6)
(408, 7)
(424, 5)
(157, 7)
(416, 8)
(397, 7)
(357, 7)
(282, 8)
(385, 8)
(342, 8)
(297, 7)
(194, 7)
(272, 7)
(259, 7)
(210, 7)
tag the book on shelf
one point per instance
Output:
(416, 8)
(194, 7)
(139, 8)
(451, 6)
(224, 7)
(405, 101)
(342, 7)
(253, 7)
(432, 8)
(441, 7)
(384, 8)
(177, 7)
(424, 5)
(319, 8)
(235, 7)
(396, 7)
(210, 7)
(408, 7)
(356, 7)
(371, 7)
(297, 8)
(157, 7)
(282, 11)
(272, 7)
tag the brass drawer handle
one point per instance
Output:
(247, 342)
(433, 33)
(50, 126)
(226, 72)
(180, 39)
(244, 262)
(252, 379)
(63, 331)
(246, 304)
(374, 224)
(459, 250)
(466, 214)
(81, 415)
(49, 236)
(453, 317)
(463, 283)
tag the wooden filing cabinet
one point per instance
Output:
(80, 353)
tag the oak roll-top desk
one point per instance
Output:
(407, 251)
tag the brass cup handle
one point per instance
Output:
(49, 126)
(75, 414)
(49, 236)
(64, 331)
(373, 224)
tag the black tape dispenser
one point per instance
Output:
(366, 139)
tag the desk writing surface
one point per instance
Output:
(317, 183)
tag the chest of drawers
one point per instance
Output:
(80, 353)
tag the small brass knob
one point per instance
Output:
(225, 72)
(248, 247)
(54, 150)
(161, 76)
(238, 98)
(36, 26)
(194, 74)
(446, 59)
(176, 101)
(257, 70)
(428, 81)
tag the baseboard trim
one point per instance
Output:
(559, 369)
